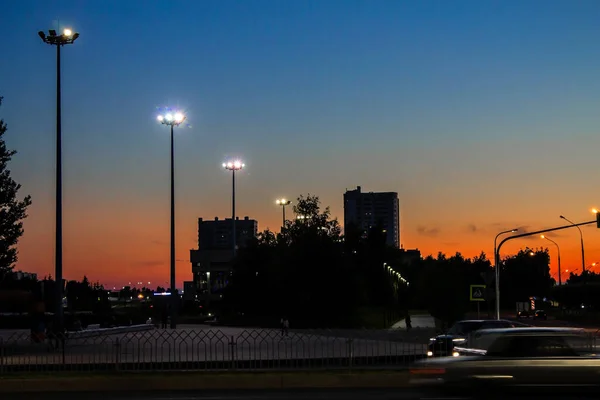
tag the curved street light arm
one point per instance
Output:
(525, 235)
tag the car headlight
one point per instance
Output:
(430, 354)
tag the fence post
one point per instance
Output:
(350, 344)
(62, 343)
(232, 345)
(117, 353)
(1, 356)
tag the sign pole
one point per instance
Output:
(477, 294)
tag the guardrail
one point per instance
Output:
(215, 349)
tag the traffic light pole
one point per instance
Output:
(497, 255)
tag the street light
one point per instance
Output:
(67, 37)
(581, 240)
(557, 248)
(283, 203)
(572, 271)
(497, 268)
(172, 119)
(233, 166)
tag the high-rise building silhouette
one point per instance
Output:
(212, 261)
(368, 210)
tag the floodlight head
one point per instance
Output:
(52, 32)
(179, 117)
(68, 32)
(171, 118)
(42, 35)
(234, 165)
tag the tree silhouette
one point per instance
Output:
(319, 278)
(12, 210)
(524, 275)
(300, 272)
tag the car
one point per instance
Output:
(443, 345)
(536, 314)
(540, 314)
(501, 360)
(479, 342)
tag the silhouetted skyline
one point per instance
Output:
(481, 115)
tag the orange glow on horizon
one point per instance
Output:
(139, 250)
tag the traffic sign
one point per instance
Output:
(477, 292)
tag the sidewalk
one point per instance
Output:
(423, 321)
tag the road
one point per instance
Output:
(236, 395)
(354, 394)
(217, 345)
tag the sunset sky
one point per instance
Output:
(482, 115)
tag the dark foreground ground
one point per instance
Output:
(379, 394)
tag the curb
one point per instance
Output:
(191, 381)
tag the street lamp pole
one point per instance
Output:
(172, 120)
(283, 203)
(497, 268)
(233, 166)
(67, 37)
(559, 228)
(581, 240)
(558, 249)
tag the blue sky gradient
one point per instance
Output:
(476, 112)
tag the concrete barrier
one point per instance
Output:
(192, 381)
(87, 333)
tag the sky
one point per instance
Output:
(482, 115)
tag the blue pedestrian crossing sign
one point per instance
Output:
(477, 292)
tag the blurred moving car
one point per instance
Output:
(509, 359)
(443, 345)
(537, 314)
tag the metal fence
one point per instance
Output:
(214, 349)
